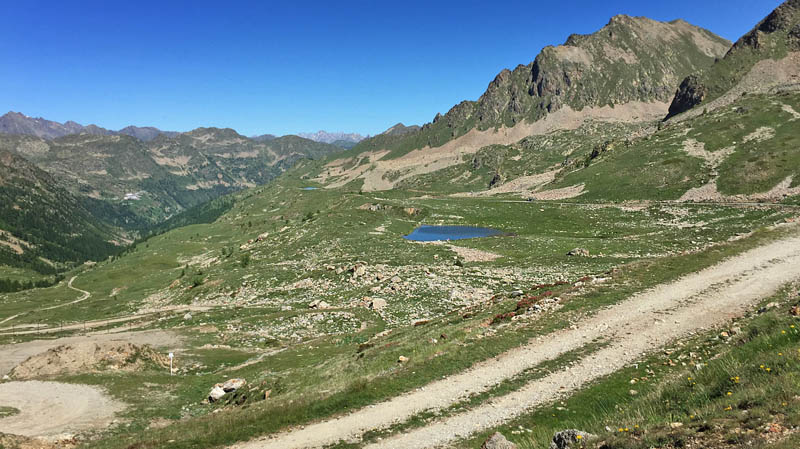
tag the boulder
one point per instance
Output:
(216, 393)
(319, 304)
(233, 385)
(498, 441)
(579, 252)
(187, 317)
(396, 280)
(377, 304)
(567, 439)
(402, 359)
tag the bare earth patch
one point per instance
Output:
(560, 194)
(709, 192)
(50, 409)
(474, 255)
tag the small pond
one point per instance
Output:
(310, 188)
(427, 233)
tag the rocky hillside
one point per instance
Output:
(160, 178)
(17, 123)
(42, 226)
(625, 72)
(757, 55)
(631, 59)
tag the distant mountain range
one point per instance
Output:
(18, 123)
(326, 137)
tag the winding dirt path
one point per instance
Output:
(99, 323)
(638, 325)
(84, 296)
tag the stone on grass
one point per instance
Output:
(498, 441)
(233, 384)
(570, 438)
(216, 393)
(377, 304)
(582, 252)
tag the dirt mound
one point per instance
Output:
(88, 356)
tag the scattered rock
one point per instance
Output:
(396, 280)
(578, 252)
(319, 304)
(675, 425)
(224, 388)
(377, 304)
(498, 441)
(566, 438)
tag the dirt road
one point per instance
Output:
(50, 408)
(32, 329)
(639, 324)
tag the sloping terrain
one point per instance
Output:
(42, 226)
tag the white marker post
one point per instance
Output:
(171, 356)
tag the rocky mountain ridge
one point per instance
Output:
(18, 123)
(776, 37)
(166, 175)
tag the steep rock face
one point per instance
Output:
(630, 59)
(690, 93)
(773, 38)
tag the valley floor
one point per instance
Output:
(632, 328)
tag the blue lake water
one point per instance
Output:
(427, 233)
(310, 188)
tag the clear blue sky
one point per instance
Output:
(292, 66)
